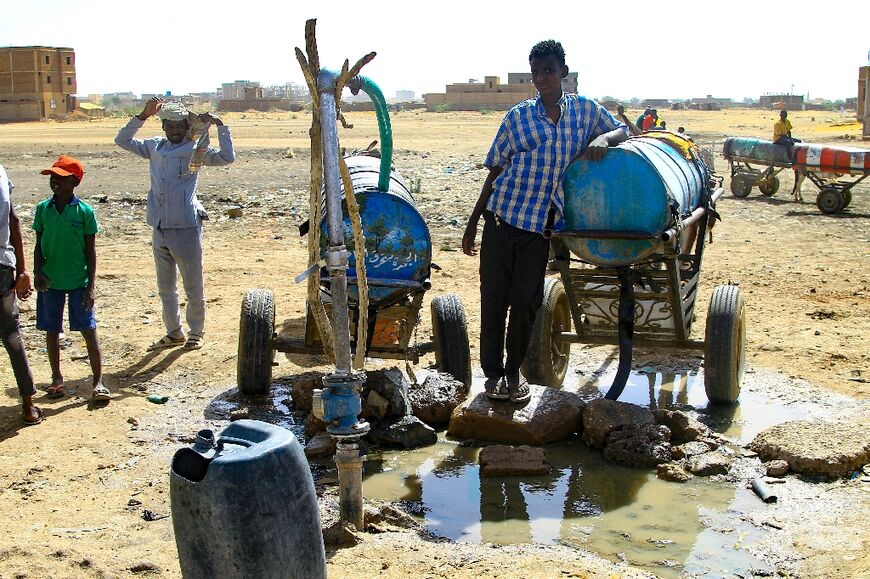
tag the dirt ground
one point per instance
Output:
(73, 489)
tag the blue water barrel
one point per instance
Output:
(246, 508)
(632, 189)
(755, 150)
(398, 245)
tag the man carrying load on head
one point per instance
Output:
(174, 212)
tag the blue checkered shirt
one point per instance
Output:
(534, 153)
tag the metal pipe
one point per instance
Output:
(349, 463)
(336, 254)
(763, 492)
(599, 234)
(699, 212)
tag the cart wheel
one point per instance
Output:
(724, 345)
(847, 199)
(452, 353)
(769, 186)
(830, 200)
(546, 359)
(741, 184)
(256, 327)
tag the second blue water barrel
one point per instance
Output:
(398, 245)
(246, 508)
(632, 189)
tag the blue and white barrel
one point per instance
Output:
(398, 244)
(638, 187)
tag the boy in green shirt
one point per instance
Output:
(65, 264)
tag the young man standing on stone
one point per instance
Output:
(535, 143)
(175, 213)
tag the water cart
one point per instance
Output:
(758, 162)
(629, 252)
(398, 261)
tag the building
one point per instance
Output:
(236, 90)
(709, 103)
(36, 82)
(862, 108)
(789, 102)
(474, 96)
(569, 84)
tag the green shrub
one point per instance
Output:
(442, 108)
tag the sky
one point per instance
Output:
(732, 49)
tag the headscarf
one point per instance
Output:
(173, 111)
(197, 130)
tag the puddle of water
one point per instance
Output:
(618, 512)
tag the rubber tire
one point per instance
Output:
(256, 329)
(724, 345)
(741, 185)
(546, 361)
(769, 186)
(830, 201)
(450, 335)
(847, 199)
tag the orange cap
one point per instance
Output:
(64, 166)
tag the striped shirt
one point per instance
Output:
(534, 153)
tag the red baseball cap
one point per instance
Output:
(64, 166)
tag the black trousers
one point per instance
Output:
(513, 263)
(10, 335)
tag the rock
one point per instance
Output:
(710, 441)
(392, 384)
(601, 416)
(828, 449)
(690, 449)
(673, 472)
(776, 468)
(684, 428)
(709, 463)
(434, 400)
(313, 425)
(239, 414)
(549, 415)
(390, 515)
(320, 446)
(501, 460)
(341, 534)
(133, 421)
(407, 432)
(234, 212)
(643, 446)
(302, 388)
(144, 567)
(376, 405)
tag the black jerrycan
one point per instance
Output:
(244, 506)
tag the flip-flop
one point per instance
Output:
(40, 416)
(194, 342)
(57, 391)
(519, 392)
(166, 342)
(495, 389)
(100, 393)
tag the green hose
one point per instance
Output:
(386, 132)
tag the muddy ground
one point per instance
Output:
(73, 489)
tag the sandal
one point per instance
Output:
(40, 416)
(519, 391)
(55, 391)
(100, 393)
(194, 342)
(495, 389)
(166, 342)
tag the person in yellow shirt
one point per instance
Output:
(782, 134)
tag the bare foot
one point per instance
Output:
(56, 389)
